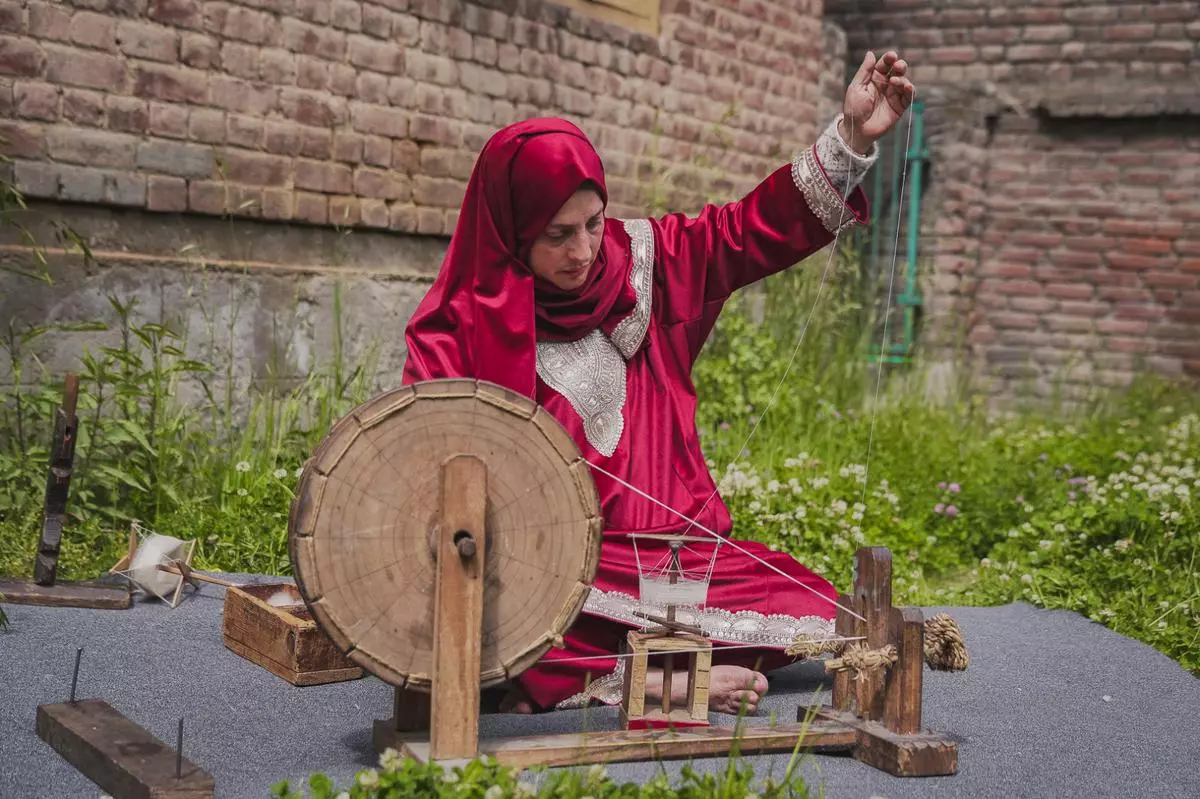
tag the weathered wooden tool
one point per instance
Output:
(445, 535)
(44, 588)
(117, 754)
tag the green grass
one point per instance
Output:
(1090, 509)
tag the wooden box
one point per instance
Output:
(270, 625)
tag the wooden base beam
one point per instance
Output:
(918, 754)
(98, 596)
(123, 758)
(650, 744)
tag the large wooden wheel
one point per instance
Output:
(365, 517)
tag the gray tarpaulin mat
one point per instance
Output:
(1051, 706)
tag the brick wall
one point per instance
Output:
(1062, 223)
(370, 113)
(205, 149)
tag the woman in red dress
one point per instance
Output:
(599, 320)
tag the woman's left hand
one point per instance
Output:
(875, 100)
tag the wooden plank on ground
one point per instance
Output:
(655, 744)
(123, 758)
(98, 596)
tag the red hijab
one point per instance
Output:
(486, 311)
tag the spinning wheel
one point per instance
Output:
(366, 524)
(445, 535)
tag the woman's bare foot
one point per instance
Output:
(515, 701)
(728, 688)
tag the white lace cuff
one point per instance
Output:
(829, 171)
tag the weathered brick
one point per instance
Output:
(242, 24)
(376, 21)
(206, 125)
(237, 95)
(372, 88)
(344, 211)
(378, 56)
(312, 208)
(440, 192)
(374, 213)
(312, 73)
(379, 120)
(168, 119)
(166, 193)
(128, 114)
(172, 84)
(316, 143)
(178, 13)
(91, 185)
(277, 66)
(278, 204)
(406, 156)
(36, 100)
(21, 57)
(96, 31)
(1120, 260)
(347, 15)
(36, 178)
(430, 221)
(317, 109)
(49, 21)
(1070, 291)
(347, 147)
(199, 51)
(381, 184)
(425, 67)
(176, 158)
(207, 197)
(91, 147)
(317, 11)
(330, 178)
(21, 139)
(254, 169)
(300, 37)
(244, 131)
(377, 151)
(12, 17)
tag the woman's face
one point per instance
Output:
(565, 251)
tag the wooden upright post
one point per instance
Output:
(873, 592)
(58, 484)
(458, 609)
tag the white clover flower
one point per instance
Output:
(390, 760)
(986, 563)
(450, 776)
(494, 792)
(1164, 604)
(280, 474)
(241, 492)
(1004, 577)
(1124, 544)
(844, 471)
(1013, 533)
(368, 778)
(931, 539)
(242, 466)
(1060, 528)
(1046, 543)
(1027, 579)
(1162, 625)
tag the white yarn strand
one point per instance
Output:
(721, 539)
(887, 312)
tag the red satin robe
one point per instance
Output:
(694, 267)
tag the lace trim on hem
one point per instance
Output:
(606, 689)
(776, 630)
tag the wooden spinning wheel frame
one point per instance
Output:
(367, 519)
(445, 535)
